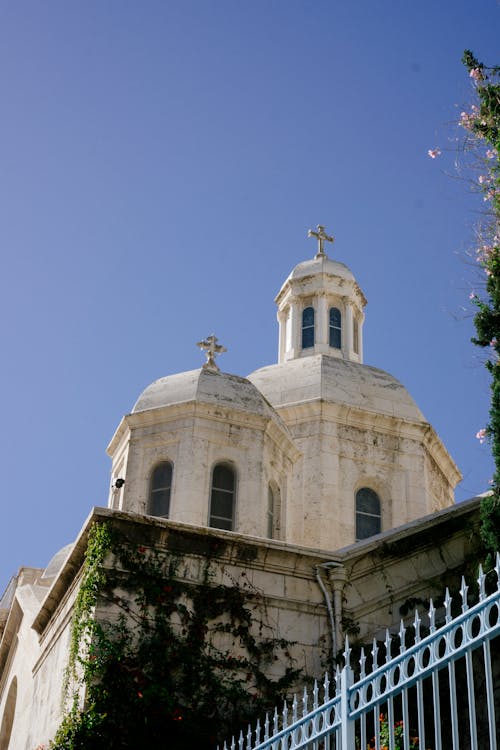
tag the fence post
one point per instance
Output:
(347, 725)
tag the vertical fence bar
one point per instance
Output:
(420, 713)
(390, 722)
(453, 704)
(437, 710)
(376, 723)
(406, 720)
(347, 728)
(489, 695)
(326, 698)
(472, 701)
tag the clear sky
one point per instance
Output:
(160, 165)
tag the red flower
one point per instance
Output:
(141, 550)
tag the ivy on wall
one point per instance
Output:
(165, 662)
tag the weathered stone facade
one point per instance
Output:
(370, 586)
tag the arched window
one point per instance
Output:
(368, 518)
(355, 336)
(273, 512)
(222, 497)
(335, 328)
(159, 490)
(308, 328)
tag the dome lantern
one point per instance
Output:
(320, 308)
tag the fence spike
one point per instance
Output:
(294, 708)
(432, 617)
(249, 738)
(258, 730)
(481, 581)
(285, 715)
(347, 652)
(305, 701)
(463, 593)
(233, 743)
(315, 694)
(241, 741)
(497, 570)
(326, 688)
(388, 643)
(275, 720)
(416, 624)
(447, 604)
(362, 662)
(266, 727)
(375, 654)
(338, 674)
(402, 638)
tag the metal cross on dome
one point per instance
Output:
(212, 349)
(322, 237)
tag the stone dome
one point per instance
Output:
(334, 380)
(56, 562)
(322, 264)
(206, 386)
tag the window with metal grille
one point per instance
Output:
(335, 328)
(222, 497)
(368, 516)
(159, 490)
(308, 327)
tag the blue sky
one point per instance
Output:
(161, 163)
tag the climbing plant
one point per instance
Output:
(482, 123)
(163, 662)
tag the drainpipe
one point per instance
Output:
(334, 607)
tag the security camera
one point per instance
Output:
(119, 483)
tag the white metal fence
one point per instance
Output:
(438, 693)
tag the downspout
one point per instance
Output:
(333, 607)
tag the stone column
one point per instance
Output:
(360, 339)
(296, 329)
(347, 331)
(321, 338)
(282, 321)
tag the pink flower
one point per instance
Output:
(488, 272)
(484, 253)
(493, 342)
(472, 295)
(481, 435)
(433, 152)
(482, 179)
(466, 120)
(490, 154)
(476, 74)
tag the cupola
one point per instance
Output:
(320, 309)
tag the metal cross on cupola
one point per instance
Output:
(212, 349)
(322, 237)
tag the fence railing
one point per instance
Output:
(437, 693)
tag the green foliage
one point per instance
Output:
(180, 666)
(483, 126)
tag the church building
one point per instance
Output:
(325, 484)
